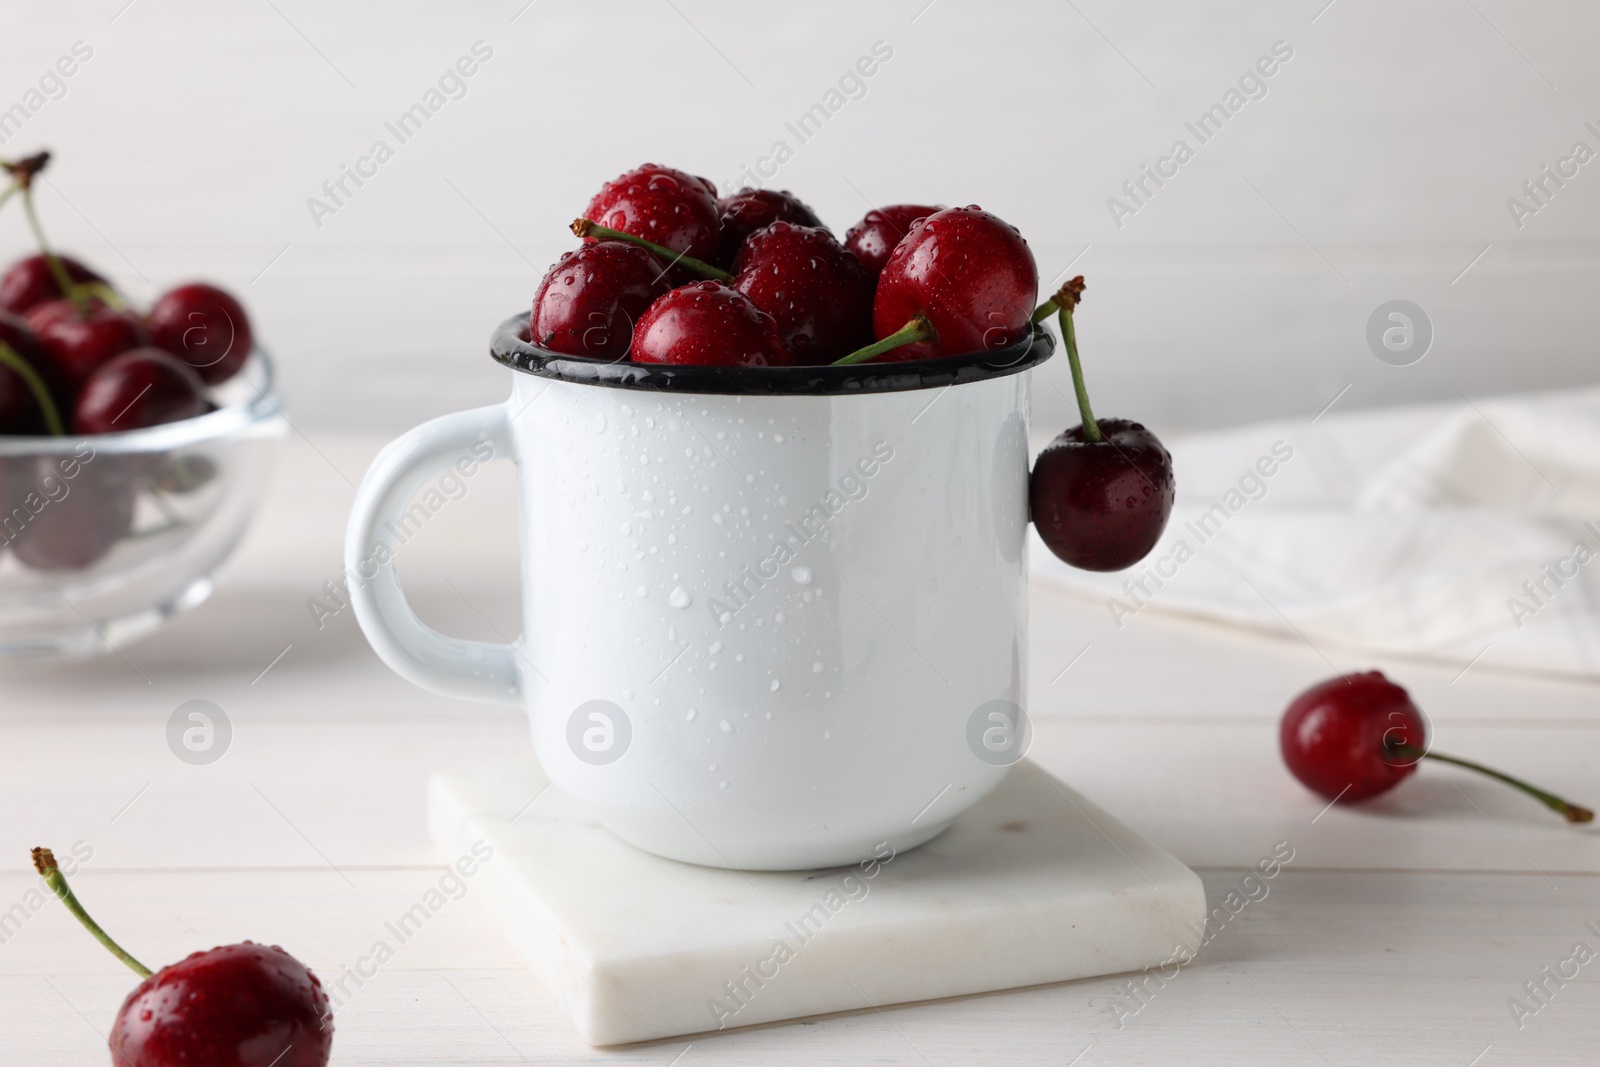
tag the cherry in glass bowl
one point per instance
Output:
(104, 537)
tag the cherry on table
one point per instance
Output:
(708, 324)
(1358, 735)
(962, 280)
(812, 285)
(874, 237)
(243, 1005)
(30, 282)
(669, 207)
(78, 340)
(205, 327)
(750, 210)
(589, 301)
(141, 387)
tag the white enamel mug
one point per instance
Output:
(772, 618)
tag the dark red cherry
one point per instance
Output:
(968, 274)
(812, 285)
(1358, 735)
(1335, 736)
(203, 326)
(30, 283)
(588, 303)
(19, 405)
(874, 237)
(141, 387)
(77, 509)
(77, 343)
(750, 210)
(707, 323)
(243, 1005)
(660, 204)
(1101, 506)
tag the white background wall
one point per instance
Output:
(1378, 166)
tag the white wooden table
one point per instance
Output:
(1397, 935)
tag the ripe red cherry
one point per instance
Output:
(1358, 735)
(73, 521)
(708, 324)
(30, 282)
(79, 342)
(589, 301)
(966, 276)
(1335, 736)
(660, 204)
(1101, 506)
(20, 411)
(205, 327)
(750, 210)
(243, 1005)
(874, 237)
(812, 285)
(141, 387)
(1102, 491)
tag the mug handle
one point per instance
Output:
(451, 666)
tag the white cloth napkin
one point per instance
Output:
(1465, 532)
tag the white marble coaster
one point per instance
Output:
(1034, 884)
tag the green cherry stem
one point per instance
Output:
(41, 393)
(11, 190)
(1565, 808)
(1066, 300)
(72, 289)
(918, 329)
(589, 228)
(45, 863)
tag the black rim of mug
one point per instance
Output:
(510, 346)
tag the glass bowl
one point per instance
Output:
(102, 538)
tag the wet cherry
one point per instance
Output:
(962, 280)
(205, 327)
(243, 1005)
(77, 342)
(663, 205)
(707, 323)
(141, 387)
(1355, 736)
(813, 286)
(1101, 505)
(589, 301)
(1101, 492)
(750, 210)
(30, 282)
(874, 237)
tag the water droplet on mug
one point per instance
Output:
(600, 423)
(679, 597)
(776, 685)
(627, 529)
(801, 575)
(643, 591)
(689, 715)
(816, 668)
(727, 727)
(716, 646)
